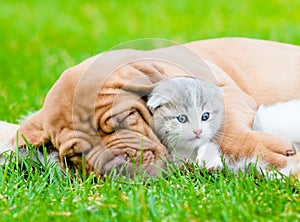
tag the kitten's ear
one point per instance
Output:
(155, 101)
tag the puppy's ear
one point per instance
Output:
(155, 101)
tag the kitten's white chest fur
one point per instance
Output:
(209, 156)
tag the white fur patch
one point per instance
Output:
(293, 167)
(7, 133)
(209, 156)
(281, 119)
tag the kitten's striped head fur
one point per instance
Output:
(187, 112)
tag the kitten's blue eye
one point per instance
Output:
(182, 118)
(205, 116)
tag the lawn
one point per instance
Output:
(40, 39)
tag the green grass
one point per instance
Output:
(43, 193)
(40, 39)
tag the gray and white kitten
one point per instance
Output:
(187, 115)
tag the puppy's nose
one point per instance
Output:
(197, 132)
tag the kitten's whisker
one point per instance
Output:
(222, 136)
(219, 134)
(172, 139)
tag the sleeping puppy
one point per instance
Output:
(98, 108)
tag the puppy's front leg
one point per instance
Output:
(244, 143)
(237, 139)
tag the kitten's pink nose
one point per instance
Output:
(197, 132)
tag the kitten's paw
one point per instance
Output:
(208, 156)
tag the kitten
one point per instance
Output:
(281, 119)
(187, 114)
